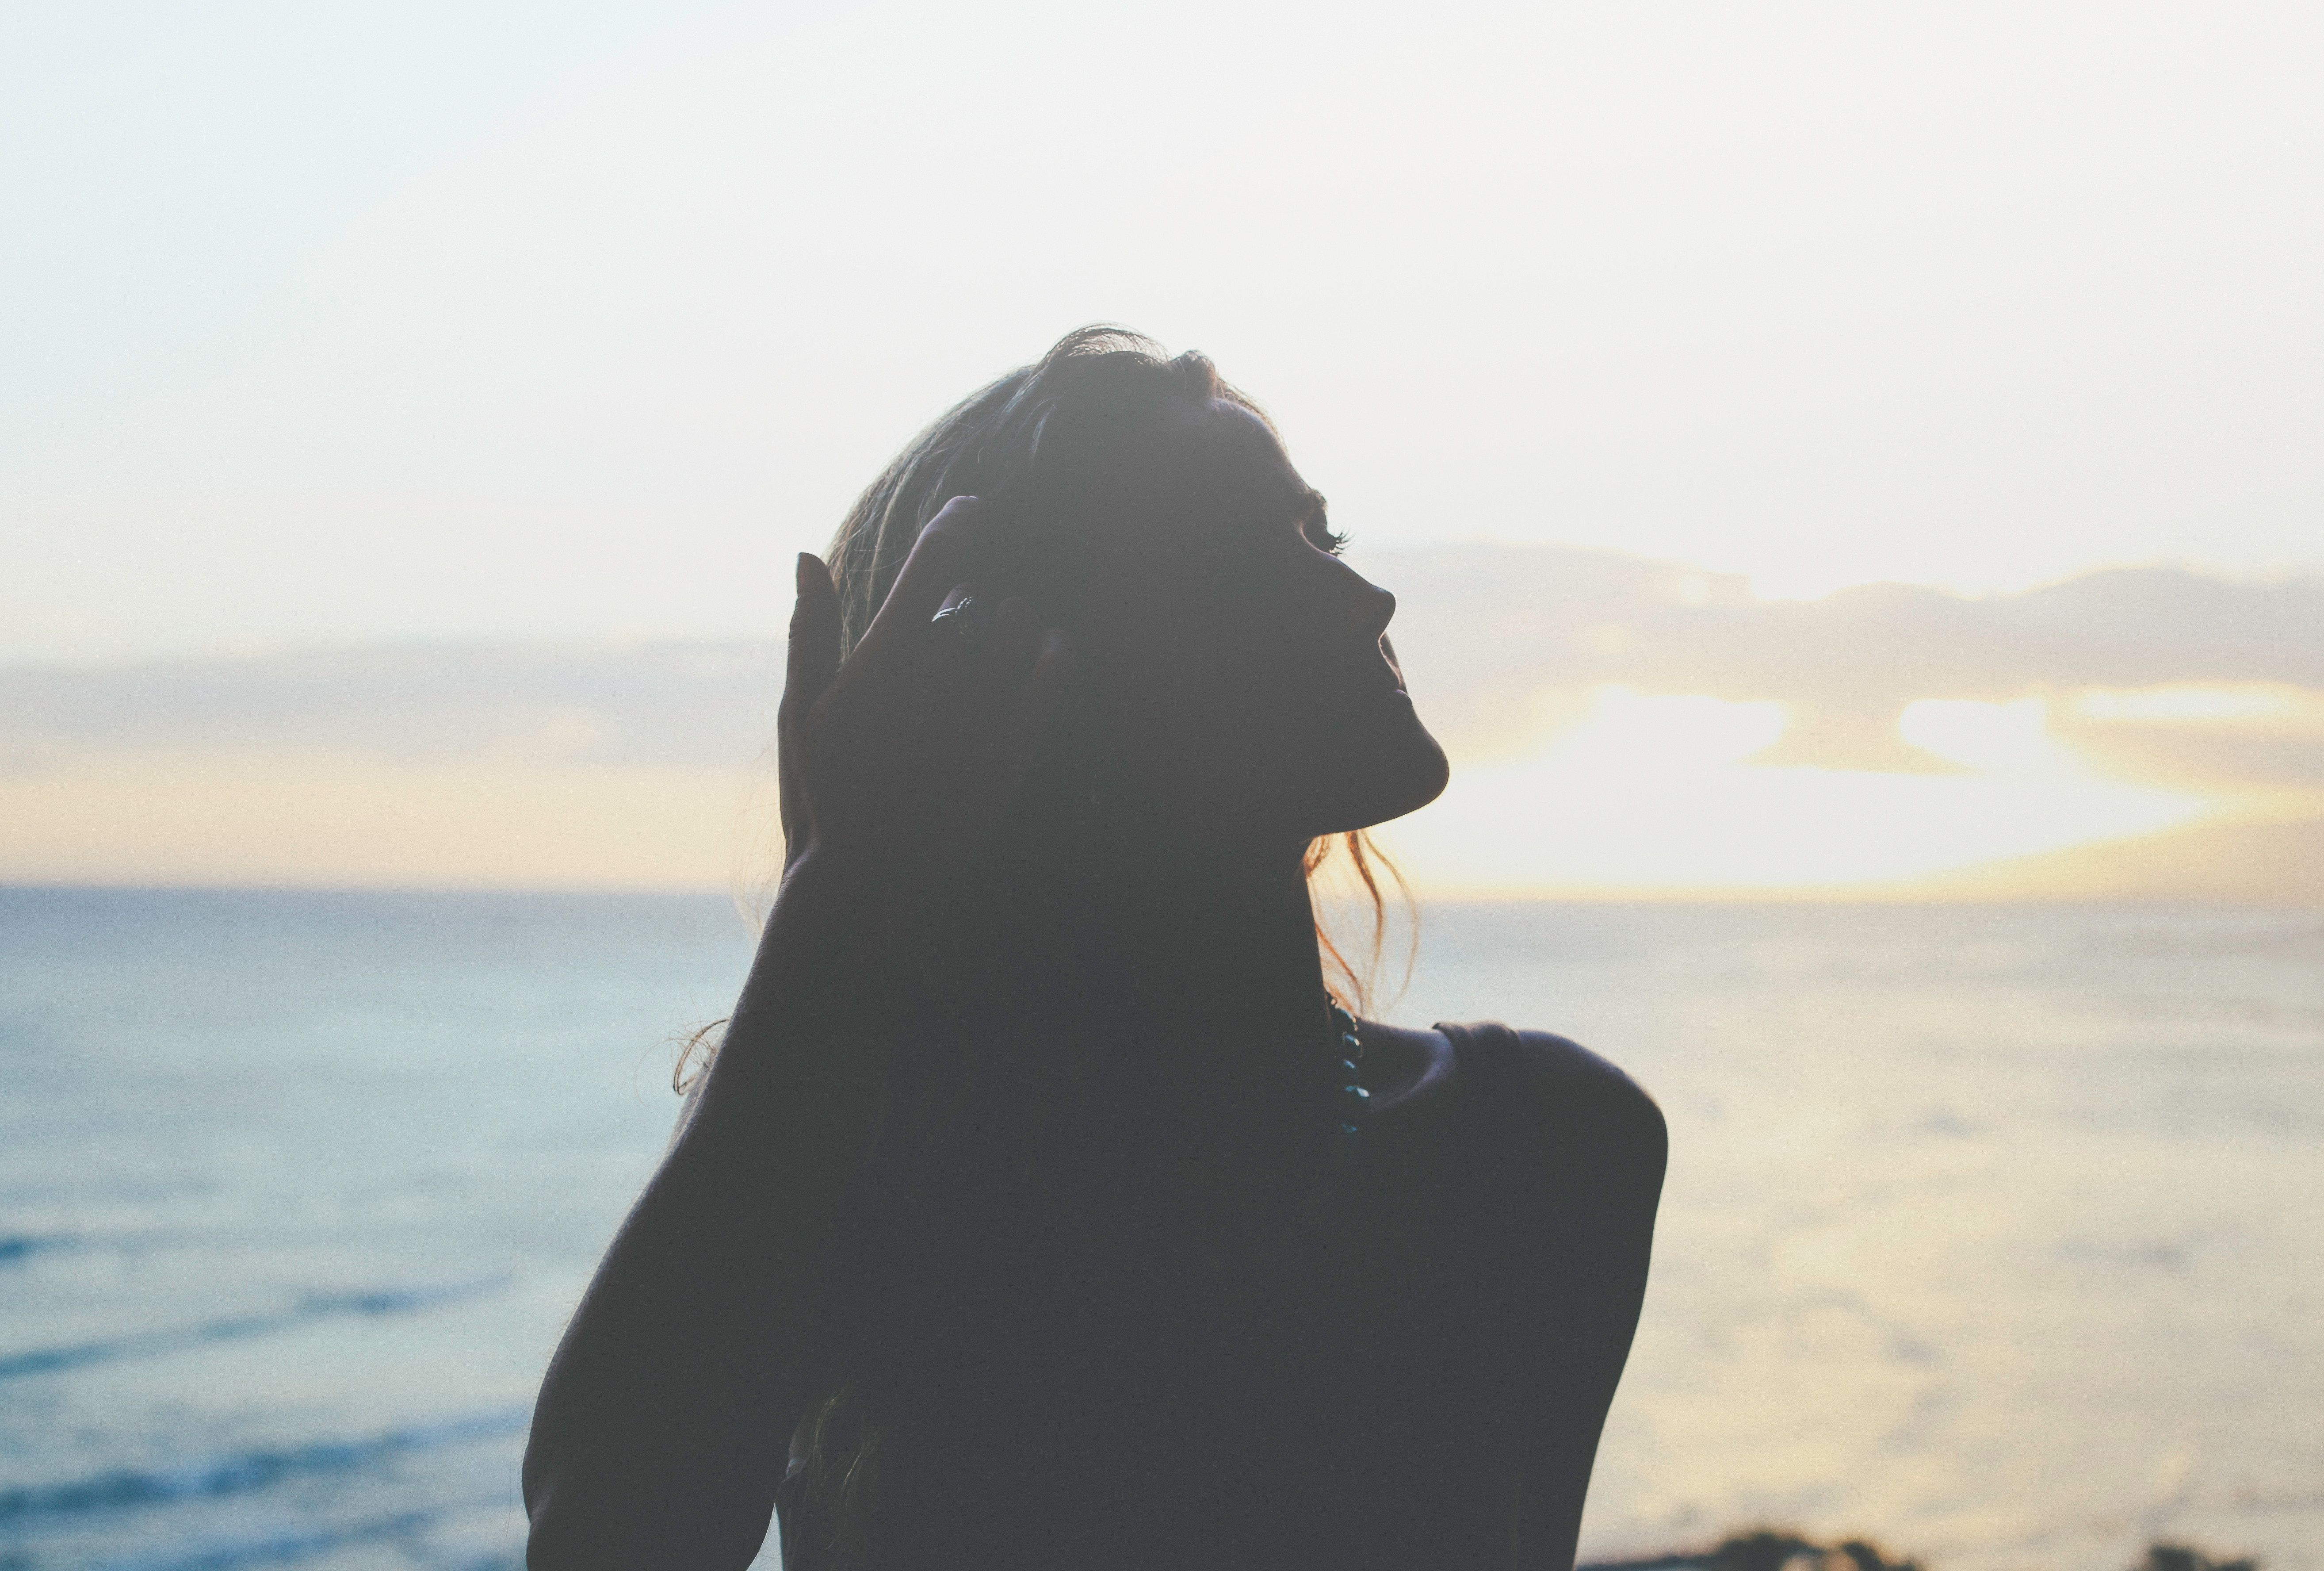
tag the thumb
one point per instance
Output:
(812, 658)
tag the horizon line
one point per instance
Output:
(1421, 898)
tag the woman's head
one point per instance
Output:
(1230, 664)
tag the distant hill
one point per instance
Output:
(2267, 862)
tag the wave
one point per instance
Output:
(296, 1544)
(235, 1328)
(15, 1247)
(249, 1470)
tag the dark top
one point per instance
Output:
(1389, 1447)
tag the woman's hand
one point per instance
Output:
(662, 1421)
(897, 763)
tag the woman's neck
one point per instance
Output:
(1088, 910)
(1222, 945)
(1232, 932)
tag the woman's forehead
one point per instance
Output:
(1205, 466)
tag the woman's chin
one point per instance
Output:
(1394, 767)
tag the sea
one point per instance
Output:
(1995, 1235)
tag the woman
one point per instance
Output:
(1041, 1208)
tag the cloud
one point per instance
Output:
(1505, 647)
(1615, 722)
(1503, 641)
(674, 704)
(506, 766)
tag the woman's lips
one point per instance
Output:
(1357, 712)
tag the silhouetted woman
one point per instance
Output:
(1041, 1207)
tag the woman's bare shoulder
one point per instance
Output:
(1404, 1065)
(1557, 1064)
(1598, 1125)
(1583, 1095)
(1590, 1099)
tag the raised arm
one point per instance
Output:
(659, 1433)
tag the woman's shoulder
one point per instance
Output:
(1521, 1101)
(1587, 1100)
(1405, 1067)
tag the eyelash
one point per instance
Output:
(1331, 543)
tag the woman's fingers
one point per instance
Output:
(811, 659)
(918, 739)
(937, 558)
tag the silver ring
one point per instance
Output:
(970, 618)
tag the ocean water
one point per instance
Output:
(1997, 1233)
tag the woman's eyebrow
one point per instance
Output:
(1306, 505)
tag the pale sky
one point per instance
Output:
(331, 328)
(327, 324)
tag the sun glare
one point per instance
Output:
(1655, 795)
(2014, 737)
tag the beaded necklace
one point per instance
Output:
(1353, 1101)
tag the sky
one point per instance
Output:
(499, 326)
